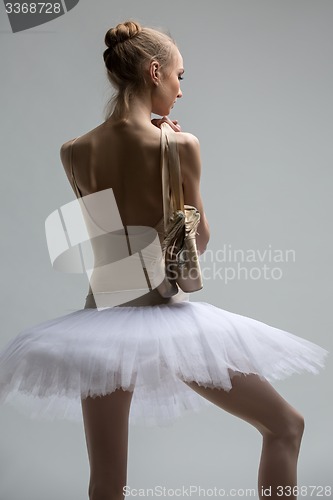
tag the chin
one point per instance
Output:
(162, 112)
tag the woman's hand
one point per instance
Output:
(173, 123)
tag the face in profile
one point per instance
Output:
(168, 89)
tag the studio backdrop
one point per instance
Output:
(257, 92)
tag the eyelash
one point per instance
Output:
(180, 78)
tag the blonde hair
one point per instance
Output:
(130, 50)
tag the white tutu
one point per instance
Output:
(47, 368)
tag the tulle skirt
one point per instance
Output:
(47, 368)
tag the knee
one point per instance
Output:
(296, 426)
(291, 429)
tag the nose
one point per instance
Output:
(180, 94)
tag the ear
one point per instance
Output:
(154, 72)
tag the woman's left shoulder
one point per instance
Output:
(188, 141)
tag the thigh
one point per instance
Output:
(106, 429)
(254, 400)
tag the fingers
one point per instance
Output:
(173, 123)
(176, 127)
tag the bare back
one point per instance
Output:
(127, 158)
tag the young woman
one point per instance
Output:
(153, 355)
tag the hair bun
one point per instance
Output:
(121, 33)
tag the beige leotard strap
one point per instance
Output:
(78, 192)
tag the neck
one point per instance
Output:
(138, 112)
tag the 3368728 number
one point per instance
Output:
(33, 8)
(302, 491)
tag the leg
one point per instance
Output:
(257, 402)
(106, 430)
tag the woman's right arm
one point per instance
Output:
(190, 162)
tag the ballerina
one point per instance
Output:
(149, 359)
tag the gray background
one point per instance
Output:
(257, 93)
